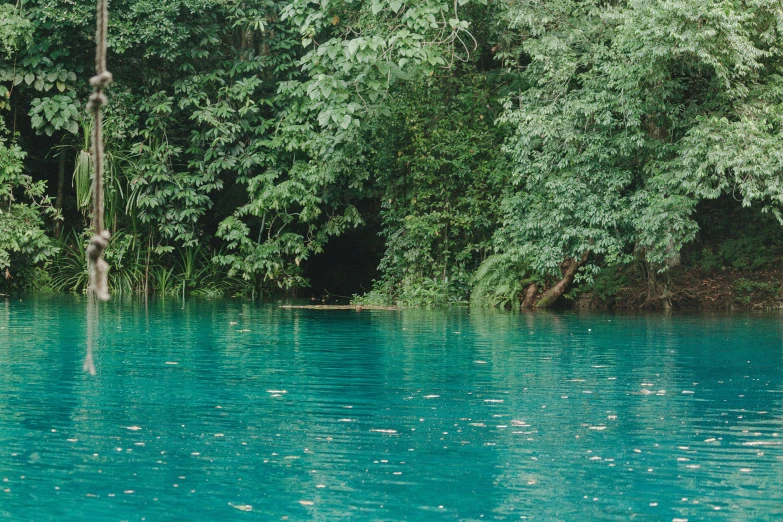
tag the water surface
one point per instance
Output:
(234, 410)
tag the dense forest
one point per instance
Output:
(507, 153)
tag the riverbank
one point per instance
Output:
(691, 289)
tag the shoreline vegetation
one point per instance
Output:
(570, 153)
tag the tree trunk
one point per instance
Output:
(530, 296)
(659, 293)
(58, 203)
(550, 296)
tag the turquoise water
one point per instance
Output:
(230, 410)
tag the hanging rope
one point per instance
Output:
(92, 317)
(98, 267)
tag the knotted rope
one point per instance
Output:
(98, 267)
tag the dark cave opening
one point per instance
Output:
(349, 263)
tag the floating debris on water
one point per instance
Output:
(338, 307)
(241, 507)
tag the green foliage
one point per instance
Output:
(492, 141)
(55, 113)
(437, 168)
(499, 282)
(748, 290)
(23, 240)
(635, 111)
(69, 266)
(735, 237)
(137, 266)
(609, 282)
(15, 29)
(747, 253)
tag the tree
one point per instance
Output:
(613, 133)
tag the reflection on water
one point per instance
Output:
(232, 410)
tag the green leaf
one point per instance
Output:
(323, 117)
(383, 67)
